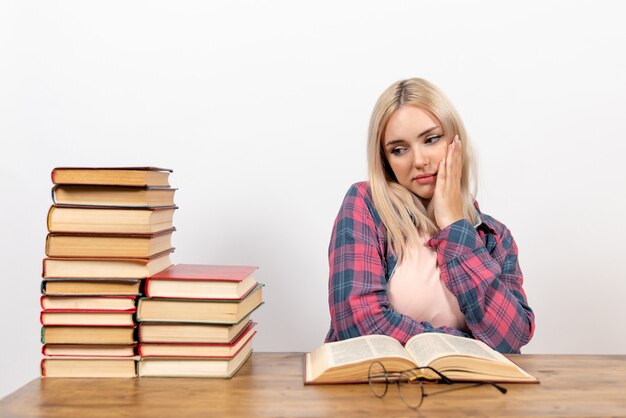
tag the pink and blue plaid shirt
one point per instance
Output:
(478, 265)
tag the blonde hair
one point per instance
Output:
(403, 214)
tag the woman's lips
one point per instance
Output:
(426, 178)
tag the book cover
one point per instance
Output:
(89, 350)
(99, 245)
(198, 350)
(112, 267)
(205, 272)
(97, 286)
(114, 176)
(114, 196)
(194, 367)
(109, 219)
(88, 367)
(201, 281)
(60, 334)
(217, 311)
(184, 332)
(84, 317)
(88, 303)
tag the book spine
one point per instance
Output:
(91, 311)
(48, 245)
(49, 218)
(43, 368)
(146, 287)
(53, 194)
(43, 336)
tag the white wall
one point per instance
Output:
(261, 109)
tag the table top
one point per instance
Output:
(271, 384)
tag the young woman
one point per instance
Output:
(411, 251)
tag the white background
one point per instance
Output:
(261, 108)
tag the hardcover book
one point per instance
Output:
(88, 350)
(86, 267)
(198, 350)
(88, 367)
(201, 281)
(108, 245)
(162, 332)
(101, 219)
(87, 335)
(224, 311)
(194, 367)
(90, 287)
(89, 303)
(125, 196)
(86, 317)
(113, 176)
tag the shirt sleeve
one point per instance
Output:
(357, 283)
(487, 285)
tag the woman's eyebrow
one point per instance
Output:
(397, 141)
(428, 131)
(394, 142)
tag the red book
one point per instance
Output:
(198, 350)
(201, 281)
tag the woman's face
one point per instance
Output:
(414, 145)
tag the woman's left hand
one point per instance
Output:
(447, 200)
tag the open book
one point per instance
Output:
(458, 358)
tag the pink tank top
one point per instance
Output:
(416, 290)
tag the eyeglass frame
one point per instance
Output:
(412, 376)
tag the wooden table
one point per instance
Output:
(270, 384)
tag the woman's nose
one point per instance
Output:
(420, 160)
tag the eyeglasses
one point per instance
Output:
(411, 383)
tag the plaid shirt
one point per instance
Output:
(478, 265)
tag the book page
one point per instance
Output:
(363, 348)
(426, 347)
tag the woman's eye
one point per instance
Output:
(398, 151)
(433, 139)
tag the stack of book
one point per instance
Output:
(109, 229)
(195, 320)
